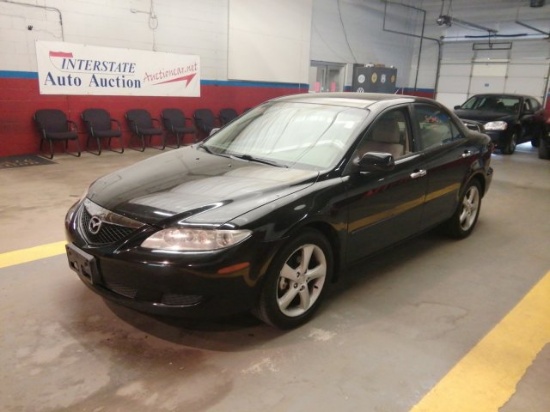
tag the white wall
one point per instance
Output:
(181, 26)
(269, 40)
(351, 31)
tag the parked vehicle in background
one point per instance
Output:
(509, 119)
(265, 213)
(544, 143)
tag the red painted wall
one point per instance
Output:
(20, 98)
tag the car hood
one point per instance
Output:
(483, 116)
(191, 185)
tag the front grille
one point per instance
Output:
(113, 228)
(109, 233)
(170, 299)
(175, 299)
(122, 290)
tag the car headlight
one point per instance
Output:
(500, 125)
(185, 239)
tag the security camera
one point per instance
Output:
(29, 27)
(444, 20)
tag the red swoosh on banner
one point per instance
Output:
(61, 54)
(187, 78)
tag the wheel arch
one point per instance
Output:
(480, 179)
(332, 237)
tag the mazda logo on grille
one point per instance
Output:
(95, 225)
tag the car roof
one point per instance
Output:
(350, 99)
(501, 95)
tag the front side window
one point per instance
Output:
(436, 127)
(389, 133)
(291, 134)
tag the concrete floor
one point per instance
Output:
(385, 336)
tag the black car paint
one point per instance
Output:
(353, 208)
(528, 125)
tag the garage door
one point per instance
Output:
(465, 72)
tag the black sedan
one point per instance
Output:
(509, 119)
(264, 214)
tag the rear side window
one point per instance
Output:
(436, 127)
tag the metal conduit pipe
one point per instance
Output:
(47, 8)
(421, 37)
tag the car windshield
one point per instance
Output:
(499, 104)
(285, 134)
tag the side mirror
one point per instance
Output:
(376, 162)
(457, 107)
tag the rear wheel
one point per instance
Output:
(296, 281)
(462, 223)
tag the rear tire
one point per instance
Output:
(296, 281)
(462, 223)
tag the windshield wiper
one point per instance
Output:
(251, 158)
(208, 150)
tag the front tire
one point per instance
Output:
(510, 146)
(462, 223)
(296, 281)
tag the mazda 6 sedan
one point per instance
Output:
(267, 212)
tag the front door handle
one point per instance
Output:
(418, 173)
(467, 153)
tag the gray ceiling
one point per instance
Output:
(511, 19)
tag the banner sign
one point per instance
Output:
(68, 68)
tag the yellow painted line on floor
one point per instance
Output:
(486, 378)
(17, 257)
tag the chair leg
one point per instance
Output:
(88, 146)
(176, 135)
(113, 150)
(168, 134)
(142, 139)
(163, 141)
(77, 148)
(42, 148)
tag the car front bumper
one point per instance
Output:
(206, 285)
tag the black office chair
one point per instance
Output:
(205, 121)
(174, 121)
(100, 126)
(54, 126)
(226, 115)
(143, 126)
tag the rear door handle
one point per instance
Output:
(419, 173)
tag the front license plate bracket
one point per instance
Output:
(82, 263)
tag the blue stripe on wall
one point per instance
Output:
(241, 83)
(9, 74)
